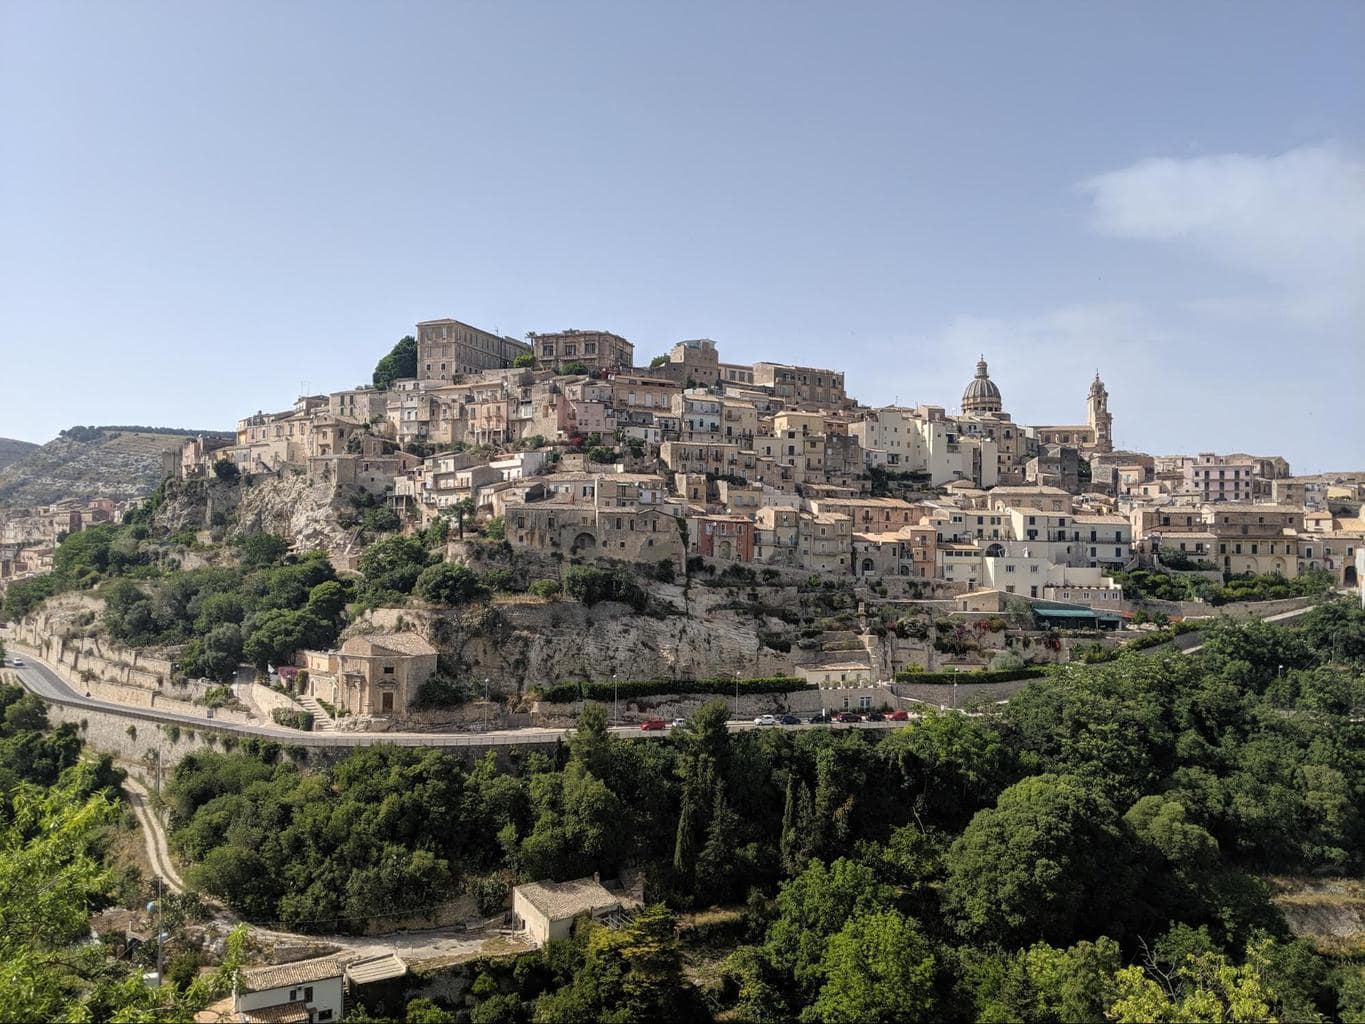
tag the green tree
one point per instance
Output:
(878, 967)
(524, 361)
(1207, 988)
(450, 584)
(590, 744)
(463, 510)
(276, 634)
(658, 361)
(391, 566)
(1046, 862)
(259, 549)
(226, 471)
(399, 364)
(816, 905)
(1045, 984)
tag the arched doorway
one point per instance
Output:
(1348, 576)
(868, 566)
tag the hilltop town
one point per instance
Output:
(528, 458)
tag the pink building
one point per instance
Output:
(724, 538)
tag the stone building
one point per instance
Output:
(597, 350)
(725, 538)
(377, 674)
(448, 349)
(802, 386)
(585, 531)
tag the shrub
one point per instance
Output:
(589, 585)
(501, 580)
(291, 717)
(915, 675)
(450, 584)
(440, 692)
(546, 587)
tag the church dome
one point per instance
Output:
(981, 395)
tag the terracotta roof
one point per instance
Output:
(397, 643)
(285, 1013)
(560, 900)
(300, 972)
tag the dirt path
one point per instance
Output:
(153, 835)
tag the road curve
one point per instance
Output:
(45, 681)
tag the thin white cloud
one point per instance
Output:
(1296, 220)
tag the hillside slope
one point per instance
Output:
(89, 462)
(12, 450)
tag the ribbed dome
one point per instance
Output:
(981, 395)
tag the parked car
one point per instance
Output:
(651, 724)
(765, 720)
(876, 716)
(789, 720)
(820, 719)
(847, 717)
(898, 716)
(677, 723)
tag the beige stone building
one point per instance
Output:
(776, 536)
(825, 543)
(597, 350)
(448, 349)
(377, 674)
(640, 534)
(802, 386)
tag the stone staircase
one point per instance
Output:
(322, 721)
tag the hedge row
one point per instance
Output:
(1001, 676)
(567, 693)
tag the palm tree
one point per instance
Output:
(462, 509)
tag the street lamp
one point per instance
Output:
(486, 691)
(615, 703)
(736, 695)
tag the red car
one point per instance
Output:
(898, 716)
(651, 724)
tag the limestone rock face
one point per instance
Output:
(301, 512)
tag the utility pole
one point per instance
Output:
(736, 695)
(615, 702)
(486, 692)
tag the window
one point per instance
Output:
(388, 670)
(308, 994)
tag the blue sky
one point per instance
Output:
(205, 207)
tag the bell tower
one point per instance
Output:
(1101, 419)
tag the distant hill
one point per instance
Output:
(12, 450)
(90, 462)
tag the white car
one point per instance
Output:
(17, 662)
(677, 723)
(765, 720)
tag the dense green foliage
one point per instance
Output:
(984, 676)
(399, 364)
(1165, 586)
(57, 813)
(1048, 860)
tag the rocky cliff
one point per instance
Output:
(12, 451)
(89, 462)
(287, 505)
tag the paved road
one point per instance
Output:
(47, 682)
